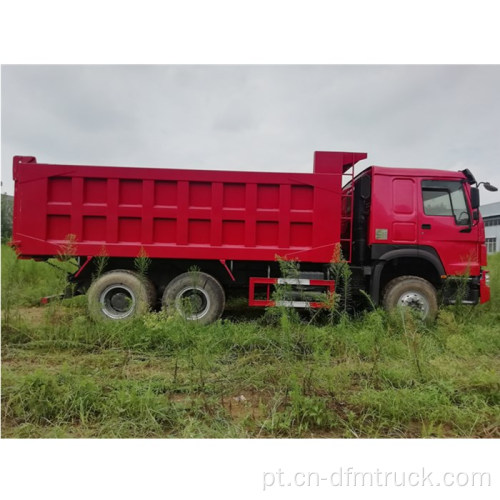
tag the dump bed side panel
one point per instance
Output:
(175, 213)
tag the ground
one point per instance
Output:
(246, 376)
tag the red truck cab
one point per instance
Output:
(422, 224)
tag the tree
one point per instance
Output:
(7, 212)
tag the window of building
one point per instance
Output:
(491, 245)
(492, 221)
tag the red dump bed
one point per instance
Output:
(191, 214)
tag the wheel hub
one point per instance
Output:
(120, 302)
(193, 303)
(117, 301)
(415, 301)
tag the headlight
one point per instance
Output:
(486, 278)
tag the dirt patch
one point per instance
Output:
(239, 406)
(32, 315)
(248, 404)
(39, 315)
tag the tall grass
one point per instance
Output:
(375, 375)
(24, 282)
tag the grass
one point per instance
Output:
(245, 376)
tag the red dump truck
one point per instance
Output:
(412, 237)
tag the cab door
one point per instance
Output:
(445, 223)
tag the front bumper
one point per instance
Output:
(470, 290)
(484, 287)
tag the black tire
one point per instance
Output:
(120, 295)
(196, 297)
(152, 296)
(414, 292)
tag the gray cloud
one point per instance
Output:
(253, 117)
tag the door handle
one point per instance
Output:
(426, 226)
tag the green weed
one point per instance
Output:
(374, 375)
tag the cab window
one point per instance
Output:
(446, 199)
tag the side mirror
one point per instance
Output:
(490, 187)
(475, 216)
(474, 198)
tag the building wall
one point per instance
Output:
(491, 216)
(493, 239)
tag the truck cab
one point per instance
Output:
(418, 233)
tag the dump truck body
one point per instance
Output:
(178, 214)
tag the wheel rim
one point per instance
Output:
(192, 303)
(416, 301)
(117, 301)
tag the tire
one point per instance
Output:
(414, 292)
(152, 296)
(196, 297)
(120, 295)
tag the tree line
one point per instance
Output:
(7, 213)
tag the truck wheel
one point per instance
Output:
(414, 292)
(196, 297)
(120, 295)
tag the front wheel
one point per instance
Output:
(413, 292)
(195, 296)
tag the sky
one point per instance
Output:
(253, 117)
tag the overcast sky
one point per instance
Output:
(253, 117)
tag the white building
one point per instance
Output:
(491, 217)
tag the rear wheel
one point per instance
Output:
(195, 296)
(120, 295)
(413, 292)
